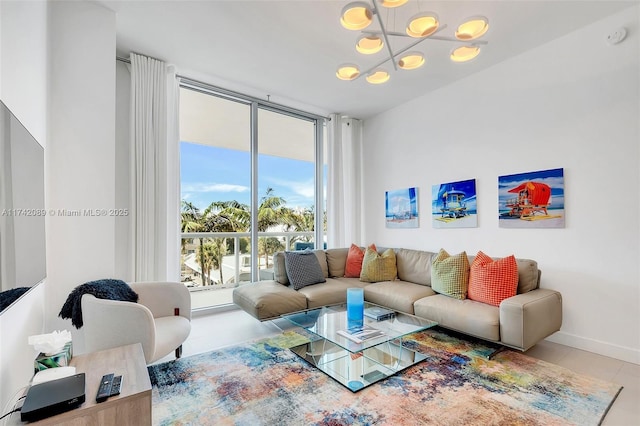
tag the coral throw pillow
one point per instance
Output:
(379, 267)
(354, 261)
(450, 274)
(492, 281)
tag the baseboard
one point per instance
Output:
(213, 310)
(622, 353)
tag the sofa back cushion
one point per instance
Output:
(280, 270)
(414, 266)
(336, 261)
(528, 275)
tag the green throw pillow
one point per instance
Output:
(450, 274)
(376, 267)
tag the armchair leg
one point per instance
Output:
(179, 351)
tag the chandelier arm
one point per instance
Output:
(384, 34)
(431, 37)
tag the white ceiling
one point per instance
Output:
(290, 50)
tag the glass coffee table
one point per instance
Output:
(353, 362)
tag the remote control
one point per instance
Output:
(115, 387)
(104, 390)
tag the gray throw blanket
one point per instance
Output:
(101, 289)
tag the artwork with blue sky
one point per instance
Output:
(210, 174)
(531, 199)
(454, 204)
(401, 208)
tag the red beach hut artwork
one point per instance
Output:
(532, 197)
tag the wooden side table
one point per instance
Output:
(131, 407)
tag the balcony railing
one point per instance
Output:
(227, 265)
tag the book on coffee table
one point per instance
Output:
(361, 334)
(378, 313)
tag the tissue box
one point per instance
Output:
(60, 359)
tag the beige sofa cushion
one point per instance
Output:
(414, 266)
(329, 293)
(336, 261)
(528, 275)
(280, 270)
(397, 295)
(467, 316)
(268, 299)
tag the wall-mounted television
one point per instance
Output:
(22, 210)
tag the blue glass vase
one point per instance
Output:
(355, 307)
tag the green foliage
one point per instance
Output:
(233, 216)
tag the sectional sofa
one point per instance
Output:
(518, 322)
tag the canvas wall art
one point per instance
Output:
(454, 205)
(401, 208)
(531, 200)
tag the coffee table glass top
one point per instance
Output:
(354, 364)
(329, 321)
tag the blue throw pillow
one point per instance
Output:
(303, 268)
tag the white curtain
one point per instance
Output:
(155, 206)
(344, 182)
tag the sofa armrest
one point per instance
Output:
(111, 323)
(163, 297)
(527, 318)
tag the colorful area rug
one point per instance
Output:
(263, 383)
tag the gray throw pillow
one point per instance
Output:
(303, 268)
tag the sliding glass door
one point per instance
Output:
(249, 188)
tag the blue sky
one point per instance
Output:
(218, 174)
(466, 186)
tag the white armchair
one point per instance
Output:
(160, 321)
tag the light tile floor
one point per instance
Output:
(234, 326)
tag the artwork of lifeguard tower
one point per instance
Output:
(531, 203)
(452, 202)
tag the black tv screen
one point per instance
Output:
(22, 208)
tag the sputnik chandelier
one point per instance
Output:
(358, 15)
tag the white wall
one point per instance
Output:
(23, 88)
(57, 73)
(572, 103)
(81, 152)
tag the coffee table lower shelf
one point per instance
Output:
(358, 370)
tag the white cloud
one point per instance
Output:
(303, 188)
(214, 187)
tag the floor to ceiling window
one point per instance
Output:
(250, 174)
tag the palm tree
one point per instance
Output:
(267, 246)
(300, 221)
(271, 212)
(195, 221)
(208, 260)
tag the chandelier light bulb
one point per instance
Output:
(369, 44)
(473, 28)
(348, 72)
(356, 15)
(464, 53)
(422, 25)
(411, 61)
(393, 3)
(378, 76)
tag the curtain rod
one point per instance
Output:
(262, 102)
